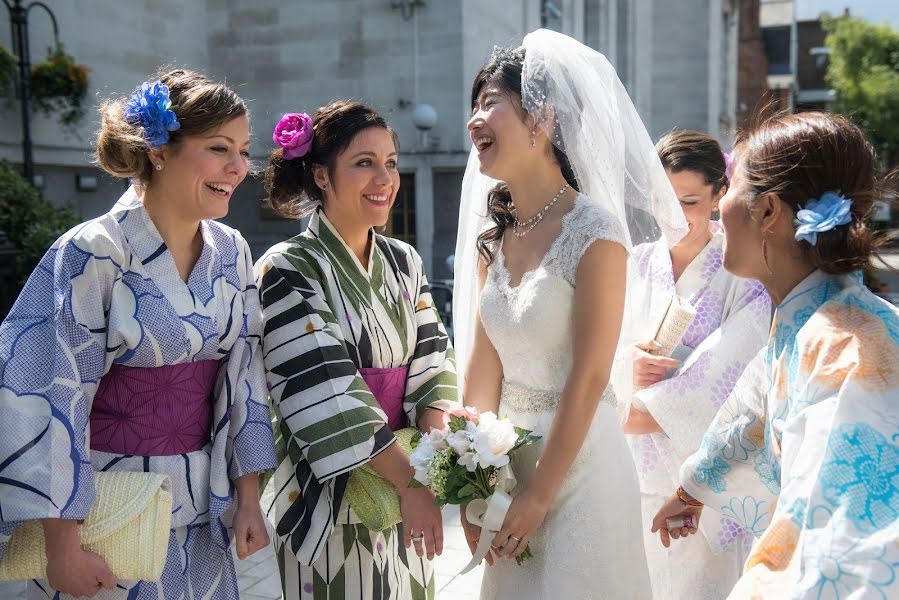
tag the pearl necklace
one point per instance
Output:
(529, 224)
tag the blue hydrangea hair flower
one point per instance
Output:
(829, 211)
(150, 107)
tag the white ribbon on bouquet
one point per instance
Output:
(489, 514)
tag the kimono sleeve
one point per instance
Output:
(327, 413)
(250, 427)
(733, 471)
(839, 507)
(431, 382)
(52, 356)
(686, 403)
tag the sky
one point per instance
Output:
(875, 11)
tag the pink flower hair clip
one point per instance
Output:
(729, 159)
(294, 133)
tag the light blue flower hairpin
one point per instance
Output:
(149, 106)
(829, 211)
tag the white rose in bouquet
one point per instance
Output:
(460, 441)
(469, 460)
(492, 441)
(423, 454)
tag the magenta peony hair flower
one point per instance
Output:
(294, 133)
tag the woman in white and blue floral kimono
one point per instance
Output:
(804, 453)
(679, 396)
(134, 346)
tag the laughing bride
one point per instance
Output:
(562, 181)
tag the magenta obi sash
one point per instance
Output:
(388, 386)
(158, 411)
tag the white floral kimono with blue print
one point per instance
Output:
(732, 324)
(108, 292)
(805, 452)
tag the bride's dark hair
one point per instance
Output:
(504, 69)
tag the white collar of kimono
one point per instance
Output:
(141, 231)
(693, 274)
(318, 218)
(791, 314)
(791, 303)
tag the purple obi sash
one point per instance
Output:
(157, 411)
(388, 386)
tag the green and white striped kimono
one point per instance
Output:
(325, 318)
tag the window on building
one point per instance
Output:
(551, 14)
(777, 48)
(593, 35)
(401, 224)
(626, 44)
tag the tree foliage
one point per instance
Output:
(30, 223)
(864, 73)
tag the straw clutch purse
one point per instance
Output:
(374, 499)
(128, 525)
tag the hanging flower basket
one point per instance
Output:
(59, 86)
(8, 63)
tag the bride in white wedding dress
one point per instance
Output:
(562, 180)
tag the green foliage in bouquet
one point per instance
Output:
(59, 86)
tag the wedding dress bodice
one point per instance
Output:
(530, 325)
(590, 544)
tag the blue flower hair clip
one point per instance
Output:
(150, 107)
(829, 211)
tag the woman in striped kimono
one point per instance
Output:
(678, 400)
(354, 349)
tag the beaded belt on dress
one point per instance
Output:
(523, 400)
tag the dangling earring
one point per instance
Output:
(765, 254)
(534, 138)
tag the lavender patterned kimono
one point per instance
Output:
(732, 322)
(108, 293)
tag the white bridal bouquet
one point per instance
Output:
(469, 464)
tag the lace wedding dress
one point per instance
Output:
(591, 545)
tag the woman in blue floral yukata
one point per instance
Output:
(805, 452)
(134, 346)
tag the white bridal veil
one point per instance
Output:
(613, 158)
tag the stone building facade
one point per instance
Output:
(678, 60)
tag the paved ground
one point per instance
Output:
(259, 579)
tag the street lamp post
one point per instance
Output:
(18, 18)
